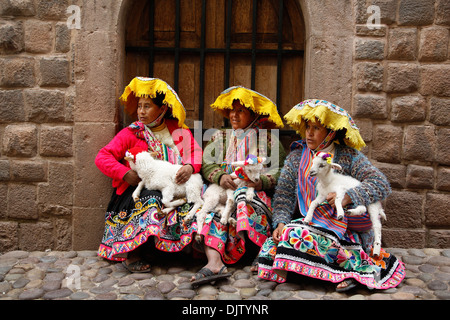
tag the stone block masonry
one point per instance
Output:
(59, 90)
(410, 127)
(36, 126)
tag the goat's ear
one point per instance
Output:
(238, 163)
(336, 166)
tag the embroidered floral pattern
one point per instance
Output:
(129, 226)
(301, 247)
(345, 259)
(302, 240)
(331, 254)
(323, 244)
(362, 262)
(128, 231)
(122, 214)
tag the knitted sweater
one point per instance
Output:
(213, 171)
(374, 186)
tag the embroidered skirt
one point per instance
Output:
(253, 218)
(129, 225)
(316, 252)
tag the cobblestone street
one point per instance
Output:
(53, 275)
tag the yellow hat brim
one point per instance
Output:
(330, 115)
(141, 87)
(250, 99)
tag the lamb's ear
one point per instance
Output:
(154, 154)
(336, 166)
(238, 163)
(262, 159)
(129, 159)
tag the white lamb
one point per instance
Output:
(331, 181)
(215, 196)
(160, 175)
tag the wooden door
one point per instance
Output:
(215, 49)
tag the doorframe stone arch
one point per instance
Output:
(329, 27)
(98, 66)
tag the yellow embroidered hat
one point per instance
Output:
(149, 87)
(329, 115)
(250, 99)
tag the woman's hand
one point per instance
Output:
(226, 182)
(132, 178)
(276, 235)
(256, 185)
(184, 174)
(331, 198)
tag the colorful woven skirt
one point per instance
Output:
(129, 225)
(318, 253)
(253, 220)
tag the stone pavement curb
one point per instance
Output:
(82, 275)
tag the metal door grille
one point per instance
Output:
(227, 50)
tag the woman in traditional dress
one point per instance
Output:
(251, 115)
(160, 128)
(327, 249)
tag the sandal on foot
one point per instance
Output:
(351, 283)
(205, 275)
(137, 266)
(254, 266)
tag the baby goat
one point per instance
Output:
(330, 181)
(160, 175)
(215, 196)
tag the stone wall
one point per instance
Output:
(59, 106)
(36, 126)
(402, 100)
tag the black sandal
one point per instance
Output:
(205, 275)
(137, 266)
